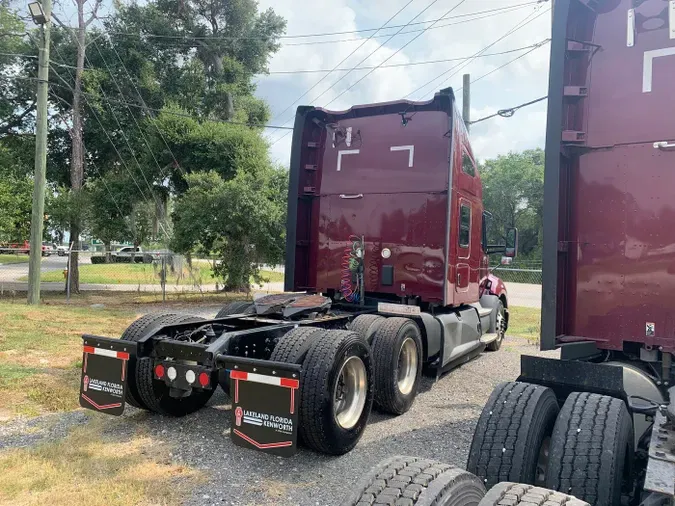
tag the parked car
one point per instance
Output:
(127, 253)
(61, 250)
(47, 249)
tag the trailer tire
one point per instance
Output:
(411, 481)
(512, 434)
(591, 445)
(397, 358)
(366, 325)
(293, 346)
(519, 494)
(325, 425)
(236, 307)
(155, 394)
(134, 332)
(500, 328)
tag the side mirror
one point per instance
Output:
(511, 243)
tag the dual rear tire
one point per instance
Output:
(582, 449)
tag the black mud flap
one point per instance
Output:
(104, 373)
(265, 400)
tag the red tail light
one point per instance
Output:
(204, 379)
(159, 371)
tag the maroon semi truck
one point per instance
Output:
(599, 423)
(386, 275)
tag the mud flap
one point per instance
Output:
(265, 400)
(104, 373)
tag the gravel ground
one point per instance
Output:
(439, 425)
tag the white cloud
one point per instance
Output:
(524, 80)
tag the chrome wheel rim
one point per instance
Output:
(349, 394)
(407, 366)
(542, 463)
(501, 324)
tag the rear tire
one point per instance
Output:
(134, 332)
(512, 435)
(411, 481)
(518, 494)
(236, 307)
(366, 325)
(292, 348)
(501, 329)
(155, 393)
(397, 357)
(591, 444)
(336, 392)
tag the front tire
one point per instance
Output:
(412, 481)
(511, 439)
(591, 446)
(397, 357)
(336, 392)
(500, 328)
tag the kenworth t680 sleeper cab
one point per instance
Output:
(386, 275)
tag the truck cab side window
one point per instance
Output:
(468, 166)
(464, 225)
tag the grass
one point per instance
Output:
(13, 259)
(134, 274)
(40, 351)
(86, 469)
(146, 274)
(525, 322)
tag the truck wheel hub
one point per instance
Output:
(407, 366)
(349, 396)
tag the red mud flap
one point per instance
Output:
(104, 373)
(265, 400)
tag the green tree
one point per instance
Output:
(15, 208)
(241, 221)
(513, 191)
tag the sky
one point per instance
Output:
(466, 34)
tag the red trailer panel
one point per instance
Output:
(609, 252)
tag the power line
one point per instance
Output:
(535, 47)
(162, 111)
(121, 130)
(392, 55)
(508, 113)
(320, 34)
(360, 62)
(456, 68)
(343, 60)
(506, 35)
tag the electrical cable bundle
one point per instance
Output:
(351, 263)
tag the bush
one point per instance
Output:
(97, 259)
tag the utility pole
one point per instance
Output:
(466, 101)
(41, 13)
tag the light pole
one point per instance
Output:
(41, 13)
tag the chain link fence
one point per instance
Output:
(160, 272)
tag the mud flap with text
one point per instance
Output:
(265, 400)
(104, 372)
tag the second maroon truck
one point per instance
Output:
(386, 273)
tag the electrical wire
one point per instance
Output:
(456, 68)
(162, 111)
(336, 66)
(398, 65)
(360, 62)
(508, 113)
(393, 54)
(320, 34)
